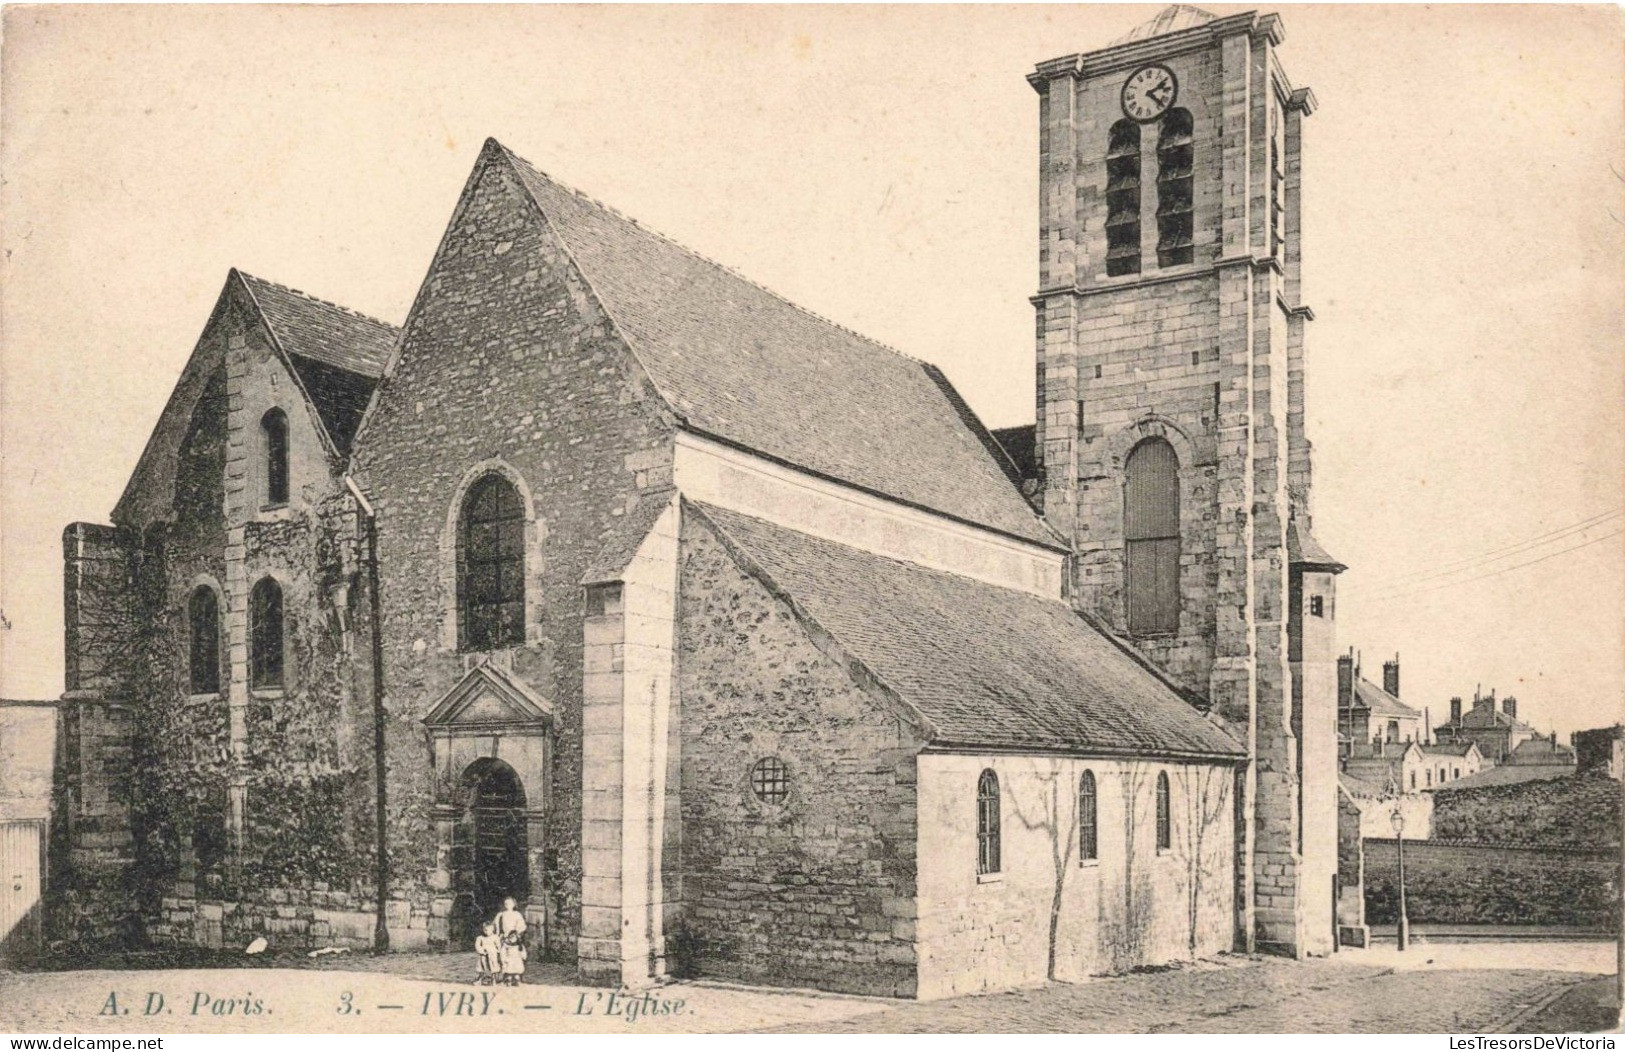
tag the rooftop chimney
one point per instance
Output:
(1345, 680)
(1455, 712)
(1509, 705)
(1390, 676)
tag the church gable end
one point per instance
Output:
(508, 366)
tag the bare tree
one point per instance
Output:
(1204, 792)
(1123, 933)
(1047, 818)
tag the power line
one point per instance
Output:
(1539, 539)
(1502, 570)
(1494, 555)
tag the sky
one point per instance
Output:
(1464, 215)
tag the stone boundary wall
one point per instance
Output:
(288, 919)
(1463, 883)
(1581, 812)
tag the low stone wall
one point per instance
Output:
(1456, 883)
(290, 919)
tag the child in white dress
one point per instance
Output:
(510, 927)
(488, 946)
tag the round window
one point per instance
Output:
(770, 780)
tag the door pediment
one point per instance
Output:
(489, 699)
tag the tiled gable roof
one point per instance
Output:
(1364, 789)
(1540, 751)
(985, 666)
(742, 364)
(1488, 717)
(1380, 702)
(338, 353)
(1303, 550)
(308, 327)
(1021, 446)
(1510, 774)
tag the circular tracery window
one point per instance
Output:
(770, 780)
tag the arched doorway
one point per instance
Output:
(490, 849)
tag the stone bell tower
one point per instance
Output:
(1170, 438)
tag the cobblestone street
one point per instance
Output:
(1352, 993)
(1461, 988)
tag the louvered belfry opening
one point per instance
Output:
(1176, 182)
(1123, 199)
(1151, 538)
(1277, 185)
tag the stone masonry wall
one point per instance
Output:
(816, 891)
(239, 805)
(91, 897)
(507, 359)
(1455, 883)
(1575, 813)
(1047, 912)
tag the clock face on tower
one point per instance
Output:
(1149, 92)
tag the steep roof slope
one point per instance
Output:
(308, 327)
(338, 353)
(1380, 702)
(742, 364)
(985, 666)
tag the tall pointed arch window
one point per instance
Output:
(1165, 824)
(491, 566)
(1151, 538)
(1088, 826)
(265, 634)
(1123, 199)
(987, 823)
(203, 623)
(274, 443)
(1176, 185)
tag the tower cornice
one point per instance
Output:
(1117, 56)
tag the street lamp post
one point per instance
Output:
(1398, 821)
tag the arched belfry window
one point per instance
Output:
(203, 622)
(987, 823)
(1165, 825)
(1088, 826)
(491, 566)
(265, 634)
(1151, 537)
(1176, 182)
(274, 441)
(1123, 199)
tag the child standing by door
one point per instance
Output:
(488, 947)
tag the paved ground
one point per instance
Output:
(1458, 988)
(1494, 933)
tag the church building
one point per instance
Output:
(728, 641)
